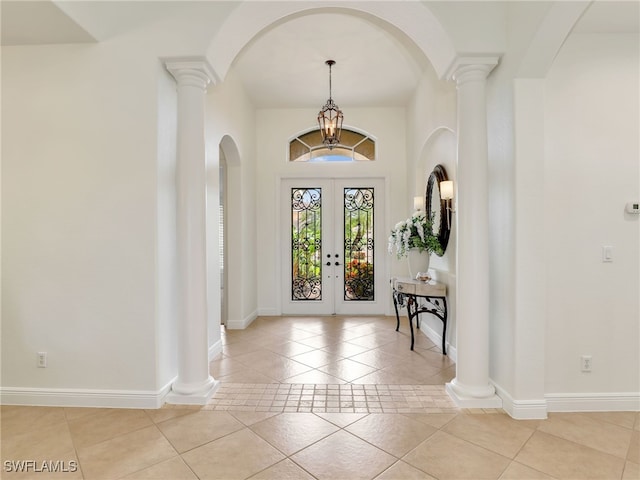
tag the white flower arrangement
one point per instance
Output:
(416, 232)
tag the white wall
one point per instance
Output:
(431, 140)
(230, 113)
(274, 129)
(591, 170)
(89, 215)
(516, 349)
(79, 193)
(166, 247)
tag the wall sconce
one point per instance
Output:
(446, 190)
(418, 203)
(446, 194)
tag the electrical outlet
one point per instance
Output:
(42, 359)
(586, 363)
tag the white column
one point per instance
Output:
(471, 387)
(193, 385)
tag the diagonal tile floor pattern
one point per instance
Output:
(246, 439)
(330, 364)
(330, 350)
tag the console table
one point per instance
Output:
(420, 297)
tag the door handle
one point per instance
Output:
(328, 264)
(337, 264)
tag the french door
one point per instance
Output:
(333, 247)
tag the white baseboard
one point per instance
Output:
(215, 350)
(59, 397)
(533, 409)
(593, 402)
(436, 338)
(268, 312)
(243, 323)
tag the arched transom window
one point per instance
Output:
(353, 146)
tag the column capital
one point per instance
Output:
(192, 71)
(476, 66)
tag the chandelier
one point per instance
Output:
(330, 118)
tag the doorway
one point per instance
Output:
(333, 246)
(222, 240)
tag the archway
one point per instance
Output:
(411, 21)
(228, 194)
(414, 26)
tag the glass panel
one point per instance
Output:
(311, 138)
(337, 154)
(308, 147)
(306, 244)
(349, 138)
(366, 149)
(358, 244)
(298, 151)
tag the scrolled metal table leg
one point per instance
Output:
(395, 305)
(444, 328)
(411, 302)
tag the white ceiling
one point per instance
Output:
(606, 16)
(37, 23)
(284, 66)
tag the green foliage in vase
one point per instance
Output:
(416, 232)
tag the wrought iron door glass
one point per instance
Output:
(358, 244)
(306, 244)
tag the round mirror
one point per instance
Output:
(437, 208)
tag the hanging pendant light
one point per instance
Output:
(330, 118)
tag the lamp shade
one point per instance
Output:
(446, 190)
(418, 203)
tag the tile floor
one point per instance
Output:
(330, 350)
(238, 435)
(323, 398)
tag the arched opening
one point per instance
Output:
(413, 24)
(223, 243)
(404, 36)
(229, 195)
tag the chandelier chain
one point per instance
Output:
(329, 79)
